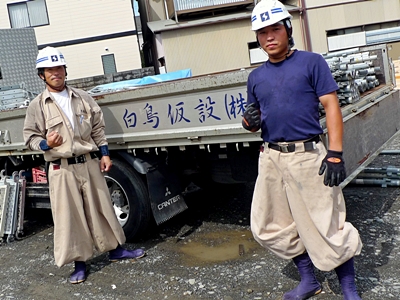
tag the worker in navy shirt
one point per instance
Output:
(298, 210)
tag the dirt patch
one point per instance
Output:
(198, 254)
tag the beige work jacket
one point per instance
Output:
(45, 115)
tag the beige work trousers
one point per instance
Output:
(293, 211)
(82, 212)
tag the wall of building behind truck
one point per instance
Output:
(214, 47)
(85, 60)
(229, 50)
(394, 51)
(323, 18)
(208, 49)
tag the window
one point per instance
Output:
(256, 54)
(109, 64)
(363, 28)
(28, 14)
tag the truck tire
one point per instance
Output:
(130, 199)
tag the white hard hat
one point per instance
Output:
(268, 12)
(50, 57)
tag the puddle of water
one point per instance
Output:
(218, 246)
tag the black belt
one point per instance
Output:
(76, 159)
(309, 145)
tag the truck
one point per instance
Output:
(168, 136)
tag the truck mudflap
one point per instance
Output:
(165, 197)
(163, 185)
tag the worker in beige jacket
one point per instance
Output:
(68, 126)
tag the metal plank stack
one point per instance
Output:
(12, 203)
(15, 96)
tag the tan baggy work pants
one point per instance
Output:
(82, 212)
(293, 211)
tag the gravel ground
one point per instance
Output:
(208, 252)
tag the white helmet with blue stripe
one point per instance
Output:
(50, 57)
(268, 12)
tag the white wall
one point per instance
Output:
(84, 60)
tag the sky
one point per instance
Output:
(136, 8)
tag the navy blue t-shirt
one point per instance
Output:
(288, 94)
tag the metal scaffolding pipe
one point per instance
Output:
(341, 53)
(388, 170)
(390, 151)
(382, 183)
(377, 175)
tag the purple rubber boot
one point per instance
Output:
(121, 253)
(346, 275)
(309, 285)
(79, 275)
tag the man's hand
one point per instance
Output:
(333, 166)
(251, 118)
(105, 163)
(54, 139)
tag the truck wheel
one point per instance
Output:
(130, 199)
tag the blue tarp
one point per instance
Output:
(131, 84)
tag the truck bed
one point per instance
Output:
(206, 110)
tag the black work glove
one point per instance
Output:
(251, 118)
(333, 166)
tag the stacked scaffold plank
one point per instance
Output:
(12, 203)
(15, 96)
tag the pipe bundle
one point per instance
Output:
(354, 72)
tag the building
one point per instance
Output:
(206, 36)
(214, 35)
(96, 37)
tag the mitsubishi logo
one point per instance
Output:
(167, 192)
